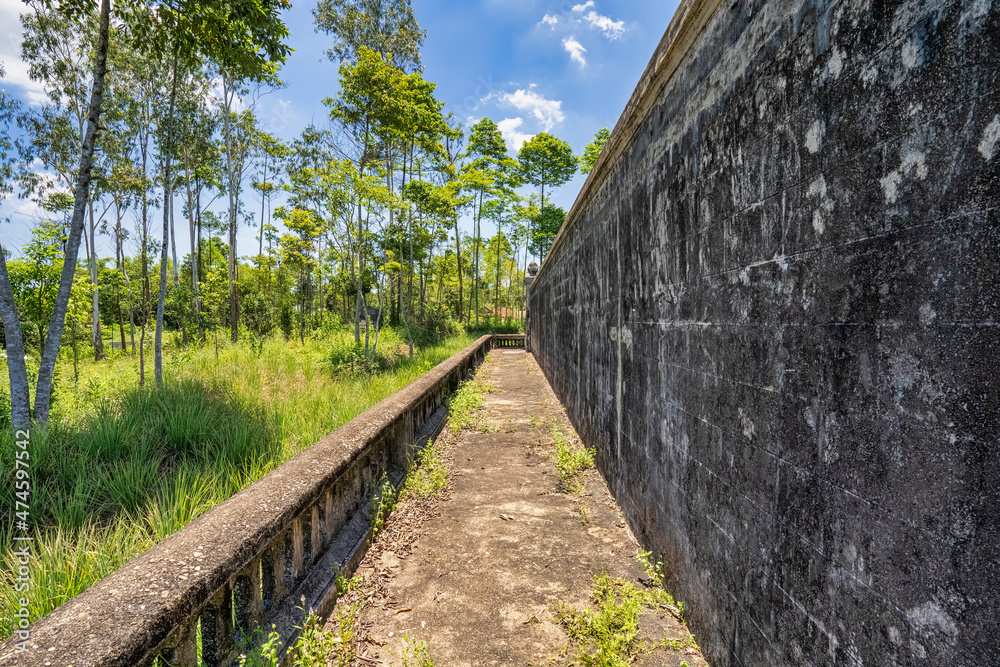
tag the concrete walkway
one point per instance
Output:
(479, 575)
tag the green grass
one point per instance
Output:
(465, 409)
(120, 467)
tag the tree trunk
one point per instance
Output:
(92, 256)
(119, 252)
(168, 205)
(479, 215)
(458, 260)
(496, 291)
(50, 352)
(17, 370)
(231, 176)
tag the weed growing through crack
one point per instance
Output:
(415, 653)
(608, 634)
(571, 461)
(265, 655)
(385, 502)
(429, 474)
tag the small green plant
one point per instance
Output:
(653, 571)
(684, 664)
(343, 584)
(415, 653)
(265, 655)
(385, 502)
(608, 635)
(465, 407)
(571, 461)
(314, 644)
(428, 475)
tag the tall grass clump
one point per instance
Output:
(121, 467)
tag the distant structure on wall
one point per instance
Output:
(775, 312)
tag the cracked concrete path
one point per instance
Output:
(481, 577)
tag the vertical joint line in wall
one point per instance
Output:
(618, 384)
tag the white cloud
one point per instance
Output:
(547, 112)
(509, 129)
(548, 19)
(584, 7)
(10, 53)
(611, 29)
(575, 50)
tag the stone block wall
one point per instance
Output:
(774, 312)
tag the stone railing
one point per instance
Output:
(508, 341)
(258, 560)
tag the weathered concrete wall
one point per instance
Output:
(774, 311)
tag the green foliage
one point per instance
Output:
(428, 475)
(114, 476)
(314, 645)
(570, 459)
(546, 224)
(547, 161)
(608, 635)
(260, 654)
(653, 570)
(415, 653)
(386, 499)
(383, 26)
(465, 407)
(593, 150)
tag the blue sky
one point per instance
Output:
(562, 66)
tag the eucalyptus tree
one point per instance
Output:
(58, 50)
(9, 317)
(547, 161)
(365, 109)
(492, 174)
(71, 10)
(200, 163)
(245, 39)
(383, 26)
(593, 150)
(270, 151)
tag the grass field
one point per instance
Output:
(120, 467)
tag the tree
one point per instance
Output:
(74, 11)
(546, 225)
(383, 26)
(546, 160)
(57, 50)
(13, 339)
(593, 151)
(246, 39)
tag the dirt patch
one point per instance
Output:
(479, 573)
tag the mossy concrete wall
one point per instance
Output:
(774, 311)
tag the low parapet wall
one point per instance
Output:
(774, 311)
(262, 557)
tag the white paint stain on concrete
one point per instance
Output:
(836, 64)
(824, 206)
(930, 617)
(927, 315)
(915, 162)
(912, 56)
(991, 137)
(814, 136)
(890, 186)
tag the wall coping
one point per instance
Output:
(687, 24)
